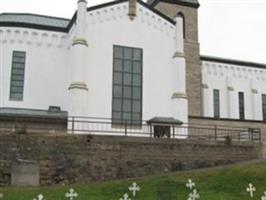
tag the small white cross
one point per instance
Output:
(190, 184)
(251, 189)
(134, 189)
(264, 196)
(71, 194)
(1, 196)
(125, 197)
(194, 195)
(40, 197)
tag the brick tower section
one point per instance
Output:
(191, 48)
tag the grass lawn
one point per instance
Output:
(228, 183)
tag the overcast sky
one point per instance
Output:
(227, 28)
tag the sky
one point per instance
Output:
(233, 29)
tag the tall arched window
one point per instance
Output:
(180, 14)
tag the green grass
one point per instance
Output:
(228, 183)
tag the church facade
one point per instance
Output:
(125, 60)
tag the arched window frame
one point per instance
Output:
(180, 14)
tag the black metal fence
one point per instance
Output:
(104, 126)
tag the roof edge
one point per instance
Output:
(33, 14)
(232, 61)
(193, 5)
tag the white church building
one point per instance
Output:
(125, 60)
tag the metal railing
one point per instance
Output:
(105, 126)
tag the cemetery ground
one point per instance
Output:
(222, 183)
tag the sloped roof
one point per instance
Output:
(41, 21)
(44, 22)
(193, 3)
(19, 112)
(164, 120)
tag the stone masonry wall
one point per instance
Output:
(68, 159)
(192, 52)
(233, 123)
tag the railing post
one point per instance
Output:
(151, 131)
(126, 128)
(259, 130)
(173, 131)
(73, 124)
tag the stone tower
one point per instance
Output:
(188, 9)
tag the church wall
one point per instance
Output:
(192, 52)
(46, 68)
(230, 79)
(112, 26)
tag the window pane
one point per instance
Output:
(118, 65)
(118, 52)
(128, 53)
(127, 66)
(117, 117)
(19, 53)
(264, 106)
(17, 83)
(136, 92)
(241, 105)
(18, 65)
(136, 106)
(17, 75)
(16, 96)
(127, 117)
(137, 54)
(137, 67)
(117, 104)
(117, 91)
(127, 85)
(127, 92)
(16, 89)
(216, 103)
(136, 118)
(136, 80)
(19, 59)
(127, 105)
(18, 71)
(127, 79)
(118, 78)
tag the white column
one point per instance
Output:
(78, 89)
(256, 104)
(232, 101)
(206, 95)
(179, 97)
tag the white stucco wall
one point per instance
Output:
(49, 61)
(230, 79)
(45, 81)
(112, 26)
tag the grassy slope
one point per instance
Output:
(227, 183)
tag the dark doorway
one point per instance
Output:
(162, 131)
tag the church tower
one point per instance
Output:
(78, 88)
(188, 10)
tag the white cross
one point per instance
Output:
(251, 189)
(264, 196)
(194, 195)
(40, 197)
(1, 196)
(190, 184)
(125, 197)
(71, 194)
(134, 188)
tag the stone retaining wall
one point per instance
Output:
(67, 159)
